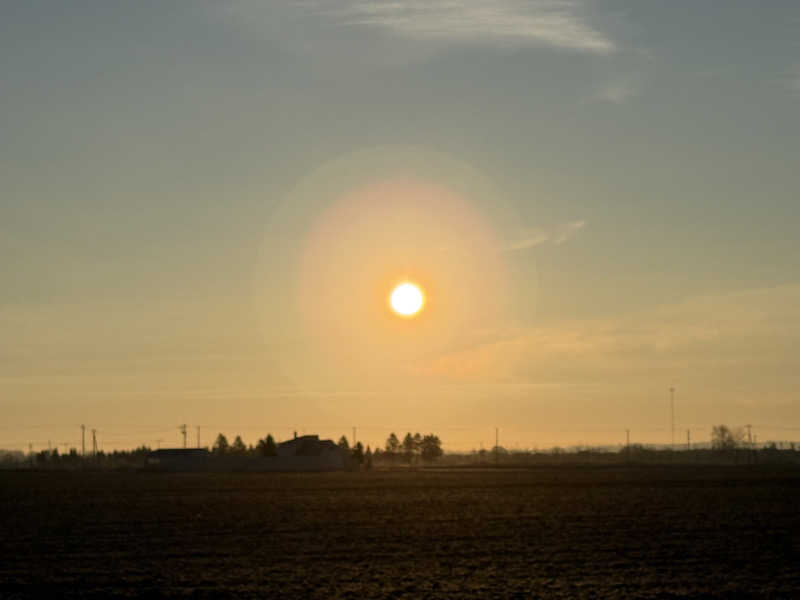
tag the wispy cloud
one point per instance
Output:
(530, 241)
(566, 231)
(556, 235)
(558, 23)
(744, 336)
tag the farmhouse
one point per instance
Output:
(309, 453)
(306, 445)
(304, 453)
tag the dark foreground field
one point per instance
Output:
(548, 532)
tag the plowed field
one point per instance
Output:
(548, 532)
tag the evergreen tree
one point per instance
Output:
(238, 446)
(408, 448)
(267, 446)
(417, 443)
(392, 445)
(220, 445)
(358, 453)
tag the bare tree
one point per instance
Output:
(725, 438)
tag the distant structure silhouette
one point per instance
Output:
(302, 453)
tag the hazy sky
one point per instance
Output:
(204, 206)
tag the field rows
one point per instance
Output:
(560, 533)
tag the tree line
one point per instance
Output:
(264, 447)
(413, 449)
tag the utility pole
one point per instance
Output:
(749, 436)
(158, 443)
(198, 437)
(628, 441)
(83, 440)
(183, 433)
(496, 446)
(94, 442)
(672, 414)
(354, 437)
(688, 439)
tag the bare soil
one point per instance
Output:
(550, 532)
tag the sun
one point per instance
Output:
(406, 299)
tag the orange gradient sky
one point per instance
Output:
(202, 221)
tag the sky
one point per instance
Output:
(206, 204)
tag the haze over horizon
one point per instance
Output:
(206, 205)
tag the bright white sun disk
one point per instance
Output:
(406, 299)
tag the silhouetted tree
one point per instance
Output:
(358, 453)
(238, 446)
(392, 448)
(723, 438)
(344, 445)
(220, 445)
(408, 448)
(430, 448)
(368, 458)
(267, 446)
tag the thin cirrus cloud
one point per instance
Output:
(719, 335)
(556, 235)
(557, 23)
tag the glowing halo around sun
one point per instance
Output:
(357, 228)
(406, 299)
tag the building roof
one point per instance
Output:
(305, 445)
